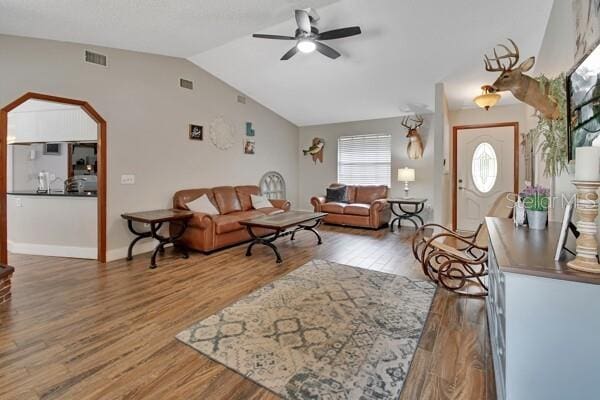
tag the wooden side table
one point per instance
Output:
(406, 214)
(156, 219)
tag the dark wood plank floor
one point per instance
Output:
(77, 329)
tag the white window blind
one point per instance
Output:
(365, 160)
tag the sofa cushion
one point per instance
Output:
(182, 197)
(202, 205)
(270, 210)
(357, 209)
(230, 222)
(335, 208)
(336, 195)
(227, 199)
(243, 193)
(259, 202)
(368, 194)
(350, 191)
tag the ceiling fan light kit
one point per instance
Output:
(306, 46)
(308, 37)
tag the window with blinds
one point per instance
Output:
(365, 160)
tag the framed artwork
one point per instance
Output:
(587, 27)
(249, 146)
(564, 230)
(249, 129)
(196, 132)
(583, 103)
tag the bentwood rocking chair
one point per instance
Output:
(455, 261)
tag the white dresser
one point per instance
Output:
(543, 318)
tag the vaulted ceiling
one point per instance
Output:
(406, 47)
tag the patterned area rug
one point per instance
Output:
(324, 331)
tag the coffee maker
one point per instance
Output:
(43, 182)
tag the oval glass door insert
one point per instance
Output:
(484, 167)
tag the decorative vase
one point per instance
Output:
(537, 219)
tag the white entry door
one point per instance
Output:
(485, 168)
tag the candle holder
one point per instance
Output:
(587, 244)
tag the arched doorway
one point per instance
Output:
(101, 174)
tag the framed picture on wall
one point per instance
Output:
(249, 146)
(196, 132)
(583, 103)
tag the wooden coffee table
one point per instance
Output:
(156, 218)
(280, 223)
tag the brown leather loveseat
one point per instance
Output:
(211, 232)
(367, 207)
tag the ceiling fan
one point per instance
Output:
(308, 37)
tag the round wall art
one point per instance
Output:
(221, 133)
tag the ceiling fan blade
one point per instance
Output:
(290, 53)
(327, 51)
(339, 33)
(302, 20)
(278, 37)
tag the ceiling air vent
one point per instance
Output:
(95, 58)
(184, 83)
(241, 99)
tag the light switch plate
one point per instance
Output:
(19, 202)
(127, 179)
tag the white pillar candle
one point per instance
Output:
(587, 164)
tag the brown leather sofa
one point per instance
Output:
(211, 232)
(366, 208)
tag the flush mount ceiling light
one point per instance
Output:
(487, 98)
(306, 46)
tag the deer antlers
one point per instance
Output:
(410, 123)
(512, 56)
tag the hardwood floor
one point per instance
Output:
(78, 329)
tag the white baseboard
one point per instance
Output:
(52, 250)
(143, 246)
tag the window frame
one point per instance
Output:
(383, 179)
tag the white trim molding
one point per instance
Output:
(52, 250)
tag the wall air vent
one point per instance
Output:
(184, 83)
(241, 99)
(95, 58)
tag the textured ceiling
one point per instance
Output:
(407, 46)
(179, 28)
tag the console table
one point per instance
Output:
(543, 318)
(406, 214)
(156, 219)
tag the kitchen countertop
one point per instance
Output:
(52, 193)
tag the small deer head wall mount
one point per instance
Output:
(513, 79)
(415, 144)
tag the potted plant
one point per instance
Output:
(536, 201)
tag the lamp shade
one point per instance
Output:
(406, 175)
(487, 98)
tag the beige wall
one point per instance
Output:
(314, 178)
(148, 116)
(557, 55)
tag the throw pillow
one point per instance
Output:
(336, 194)
(260, 202)
(202, 205)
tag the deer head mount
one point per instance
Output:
(415, 144)
(513, 79)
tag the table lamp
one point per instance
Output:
(406, 175)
